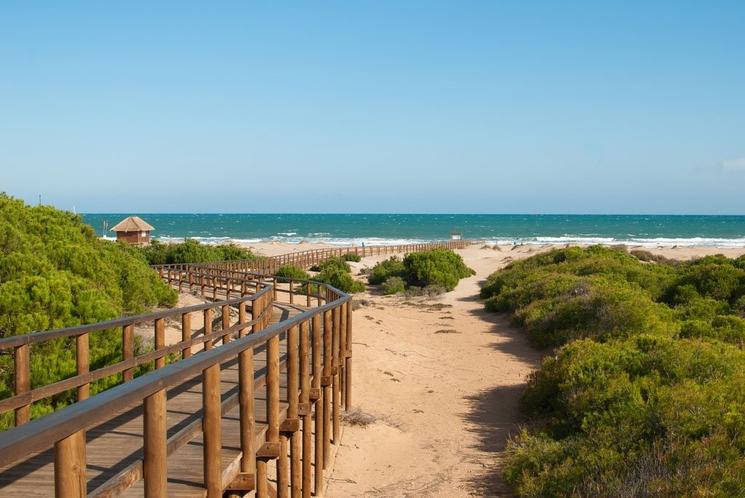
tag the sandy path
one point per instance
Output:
(443, 379)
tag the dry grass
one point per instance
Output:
(358, 418)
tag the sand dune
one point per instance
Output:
(442, 379)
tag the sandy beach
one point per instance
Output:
(438, 380)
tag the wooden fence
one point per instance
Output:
(306, 356)
(306, 259)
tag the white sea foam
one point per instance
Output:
(566, 239)
(631, 241)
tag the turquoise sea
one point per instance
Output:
(354, 229)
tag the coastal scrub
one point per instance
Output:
(646, 393)
(54, 273)
(436, 268)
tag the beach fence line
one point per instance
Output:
(311, 257)
(220, 405)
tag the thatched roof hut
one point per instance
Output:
(133, 230)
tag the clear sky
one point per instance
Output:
(497, 107)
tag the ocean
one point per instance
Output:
(374, 229)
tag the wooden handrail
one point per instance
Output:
(48, 335)
(269, 264)
(66, 427)
(316, 367)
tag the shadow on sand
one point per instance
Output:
(494, 414)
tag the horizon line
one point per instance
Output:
(397, 213)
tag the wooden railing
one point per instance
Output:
(308, 258)
(20, 345)
(317, 365)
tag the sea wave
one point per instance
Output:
(723, 243)
(631, 241)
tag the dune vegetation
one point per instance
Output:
(54, 273)
(337, 273)
(645, 394)
(334, 271)
(439, 269)
(191, 251)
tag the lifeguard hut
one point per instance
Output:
(133, 230)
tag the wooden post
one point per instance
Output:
(246, 400)
(305, 409)
(225, 322)
(293, 393)
(283, 468)
(155, 465)
(69, 467)
(318, 403)
(336, 399)
(160, 341)
(343, 352)
(326, 381)
(185, 334)
(292, 295)
(22, 381)
(208, 327)
(348, 360)
(128, 347)
(212, 430)
(272, 391)
(82, 359)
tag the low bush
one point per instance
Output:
(191, 251)
(382, 271)
(393, 285)
(441, 267)
(649, 416)
(335, 263)
(291, 272)
(436, 268)
(647, 395)
(341, 280)
(337, 273)
(350, 256)
(55, 273)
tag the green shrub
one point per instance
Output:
(647, 395)
(191, 251)
(341, 280)
(54, 273)
(337, 273)
(350, 256)
(726, 328)
(335, 263)
(391, 267)
(291, 272)
(441, 267)
(435, 269)
(716, 277)
(637, 414)
(393, 285)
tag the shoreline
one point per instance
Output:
(672, 251)
(424, 363)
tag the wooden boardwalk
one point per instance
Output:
(115, 446)
(248, 403)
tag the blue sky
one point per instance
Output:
(495, 107)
